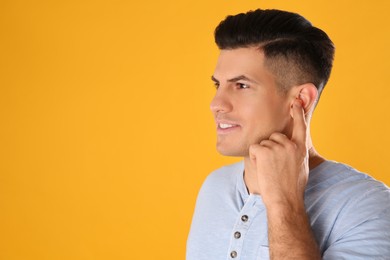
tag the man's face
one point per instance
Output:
(247, 107)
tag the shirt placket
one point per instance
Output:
(241, 227)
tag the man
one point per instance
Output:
(284, 201)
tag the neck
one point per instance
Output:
(315, 158)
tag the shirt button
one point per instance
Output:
(237, 235)
(244, 218)
(233, 254)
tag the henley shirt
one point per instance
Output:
(349, 213)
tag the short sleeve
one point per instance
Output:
(368, 240)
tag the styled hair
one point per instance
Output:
(295, 51)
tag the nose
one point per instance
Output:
(221, 102)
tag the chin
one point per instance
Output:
(232, 151)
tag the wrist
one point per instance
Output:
(287, 205)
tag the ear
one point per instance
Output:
(307, 93)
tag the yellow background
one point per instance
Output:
(106, 134)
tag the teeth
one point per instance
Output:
(223, 126)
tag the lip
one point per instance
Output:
(226, 130)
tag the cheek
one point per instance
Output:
(258, 118)
(264, 111)
(267, 117)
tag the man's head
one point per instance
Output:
(295, 51)
(268, 59)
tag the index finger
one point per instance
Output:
(299, 128)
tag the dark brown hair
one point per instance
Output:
(295, 51)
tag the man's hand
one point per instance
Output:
(282, 164)
(282, 172)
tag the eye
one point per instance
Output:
(242, 85)
(216, 84)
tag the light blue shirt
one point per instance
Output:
(349, 213)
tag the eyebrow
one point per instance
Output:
(235, 79)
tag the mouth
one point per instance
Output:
(224, 128)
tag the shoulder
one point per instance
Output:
(217, 194)
(349, 211)
(343, 183)
(368, 196)
(223, 178)
(226, 173)
(346, 204)
(344, 180)
(356, 212)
